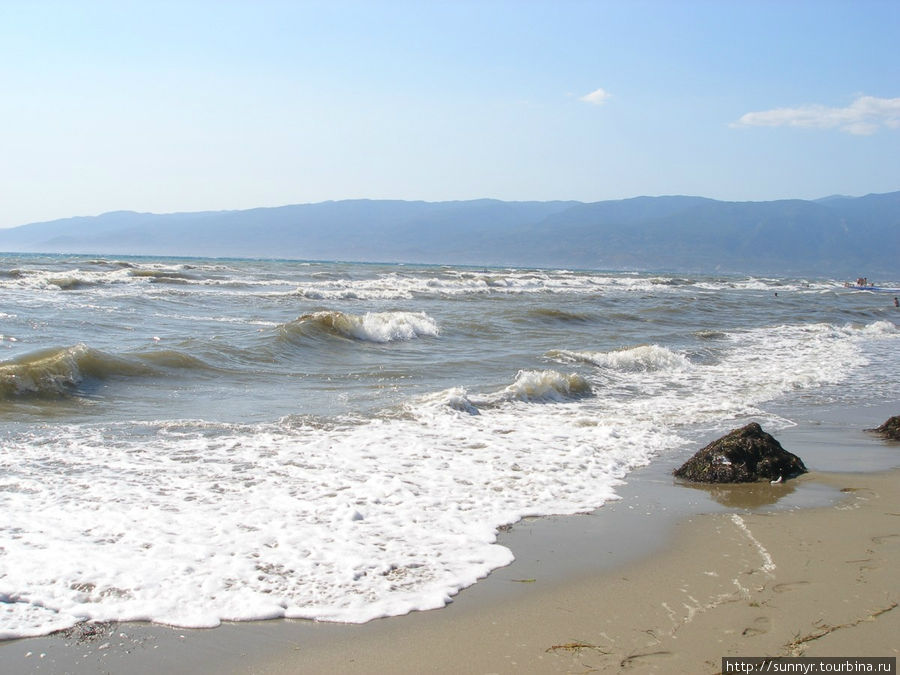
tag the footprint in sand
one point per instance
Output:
(859, 494)
(760, 625)
(884, 538)
(789, 586)
(643, 659)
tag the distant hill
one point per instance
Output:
(833, 236)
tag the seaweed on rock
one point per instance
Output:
(744, 455)
(890, 429)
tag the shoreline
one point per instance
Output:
(784, 583)
(669, 577)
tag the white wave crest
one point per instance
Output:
(379, 327)
(545, 385)
(455, 398)
(642, 358)
(880, 328)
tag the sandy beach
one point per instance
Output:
(669, 579)
(799, 582)
(804, 583)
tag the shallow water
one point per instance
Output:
(190, 441)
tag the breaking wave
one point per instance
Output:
(641, 358)
(880, 328)
(381, 327)
(546, 386)
(59, 372)
(530, 386)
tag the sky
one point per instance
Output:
(197, 105)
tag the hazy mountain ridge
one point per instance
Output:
(835, 235)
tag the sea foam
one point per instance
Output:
(188, 527)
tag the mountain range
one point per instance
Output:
(833, 236)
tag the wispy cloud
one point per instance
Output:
(597, 97)
(865, 116)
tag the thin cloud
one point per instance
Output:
(596, 97)
(863, 117)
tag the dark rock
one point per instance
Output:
(890, 429)
(744, 455)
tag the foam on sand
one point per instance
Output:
(191, 525)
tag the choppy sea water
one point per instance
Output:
(192, 441)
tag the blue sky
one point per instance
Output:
(193, 105)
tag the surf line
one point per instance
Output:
(768, 564)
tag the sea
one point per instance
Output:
(191, 441)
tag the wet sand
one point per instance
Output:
(802, 583)
(668, 579)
